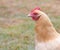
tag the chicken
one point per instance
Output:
(46, 37)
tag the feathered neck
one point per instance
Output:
(44, 29)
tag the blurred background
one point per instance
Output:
(16, 29)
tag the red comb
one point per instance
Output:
(37, 8)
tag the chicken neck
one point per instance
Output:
(45, 30)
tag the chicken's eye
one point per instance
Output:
(35, 13)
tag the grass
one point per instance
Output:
(21, 36)
(18, 37)
(56, 22)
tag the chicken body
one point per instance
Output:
(47, 38)
(49, 45)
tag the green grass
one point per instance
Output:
(56, 22)
(18, 37)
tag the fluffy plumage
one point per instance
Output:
(47, 38)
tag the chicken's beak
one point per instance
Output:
(29, 15)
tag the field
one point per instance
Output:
(16, 29)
